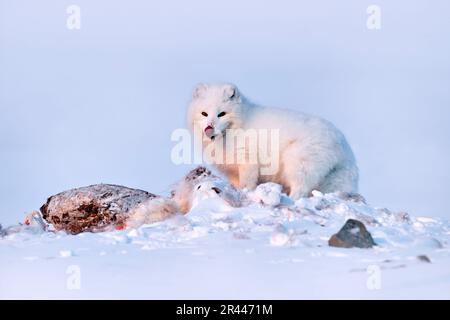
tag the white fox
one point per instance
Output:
(312, 153)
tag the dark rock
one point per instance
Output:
(352, 234)
(424, 258)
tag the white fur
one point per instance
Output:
(313, 153)
(150, 211)
(200, 184)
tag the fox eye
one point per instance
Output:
(204, 114)
(216, 190)
(221, 114)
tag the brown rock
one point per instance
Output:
(352, 234)
(94, 208)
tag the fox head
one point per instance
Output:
(214, 108)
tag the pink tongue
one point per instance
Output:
(209, 131)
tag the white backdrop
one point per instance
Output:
(98, 104)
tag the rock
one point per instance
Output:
(103, 207)
(352, 234)
(424, 258)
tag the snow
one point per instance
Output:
(271, 248)
(65, 253)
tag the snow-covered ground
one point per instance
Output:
(271, 248)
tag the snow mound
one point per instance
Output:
(269, 229)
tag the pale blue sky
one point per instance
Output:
(99, 104)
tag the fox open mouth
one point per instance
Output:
(209, 132)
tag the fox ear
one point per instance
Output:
(230, 92)
(199, 90)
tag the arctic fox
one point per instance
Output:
(312, 154)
